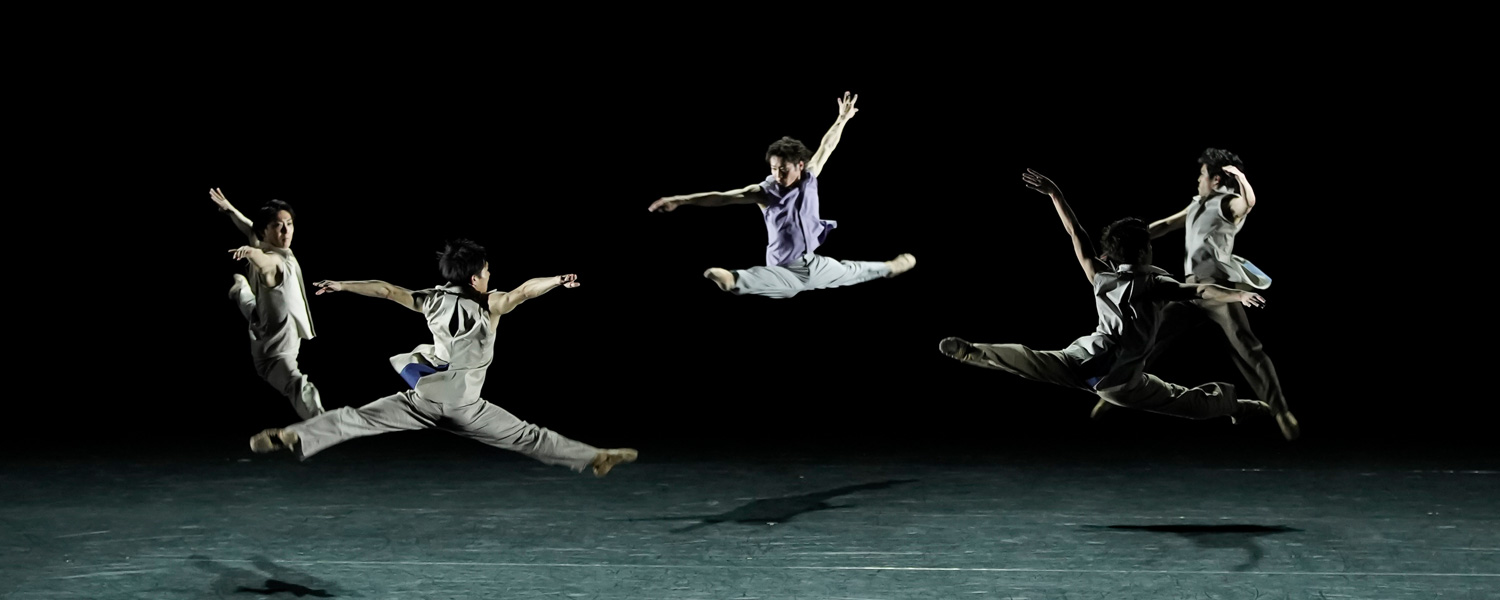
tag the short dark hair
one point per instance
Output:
(1217, 159)
(267, 214)
(790, 150)
(1126, 240)
(460, 260)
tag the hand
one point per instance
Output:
(219, 199)
(243, 251)
(667, 204)
(846, 107)
(1040, 183)
(568, 281)
(1234, 171)
(328, 286)
(1252, 300)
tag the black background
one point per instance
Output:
(550, 163)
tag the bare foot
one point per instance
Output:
(723, 278)
(901, 264)
(607, 459)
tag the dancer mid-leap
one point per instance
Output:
(447, 375)
(1129, 301)
(788, 200)
(1210, 223)
(274, 300)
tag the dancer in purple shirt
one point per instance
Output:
(788, 200)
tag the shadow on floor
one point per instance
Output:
(271, 579)
(770, 511)
(1242, 537)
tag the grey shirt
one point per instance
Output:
(1210, 245)
(282, 317)
(1129, 301)
(452, 368)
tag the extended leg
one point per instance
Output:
(1253, 363)
(1047, 366)
(404, 411)
(490, 424)
(824, 272)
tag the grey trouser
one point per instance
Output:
(1147, 392)
(1248, 356)
(476, 419)
(276, 362)
(811, 272)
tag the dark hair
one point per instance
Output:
(789, 150)
(460, 260)
(266, 214)
(1126, 240)
(1216, 160)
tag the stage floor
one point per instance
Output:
(374, 519)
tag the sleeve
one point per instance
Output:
(421, 298)
(774, 193)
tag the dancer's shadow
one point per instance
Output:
(1216, 537)
(777, 510)
(272, 579)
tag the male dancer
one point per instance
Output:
(1128, 299)
(447, 375)
(1216, 214)
(788, 200)
(273, 300)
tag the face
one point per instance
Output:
(1206, 184)
(278, 233)
(481, 282)
(785, 173)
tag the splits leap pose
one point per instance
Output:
(447, 375)
(1216, 214)
(273, 300)
(788, 200)
(1129, 301)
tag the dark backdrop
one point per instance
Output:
(551, 165)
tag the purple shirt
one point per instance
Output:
(793, 227)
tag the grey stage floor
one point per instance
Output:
(378, 521)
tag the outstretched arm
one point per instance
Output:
(504, 303)
(1212, 293)
(831, 139)
(373, 289)
(1240, 205)
(750, 194)
(1082, 247)
(1168, 225)
(240, 221)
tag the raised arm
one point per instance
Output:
(831, 139)
(1168, 225)
(373, 289)
(1241, 204)
(750, 194)
(240, 221)
(1083, 248)
(508, 301)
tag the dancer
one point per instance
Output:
(446, 376)
(1210, 222)
(273, 300)
(1128, 299)
(788, 200)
